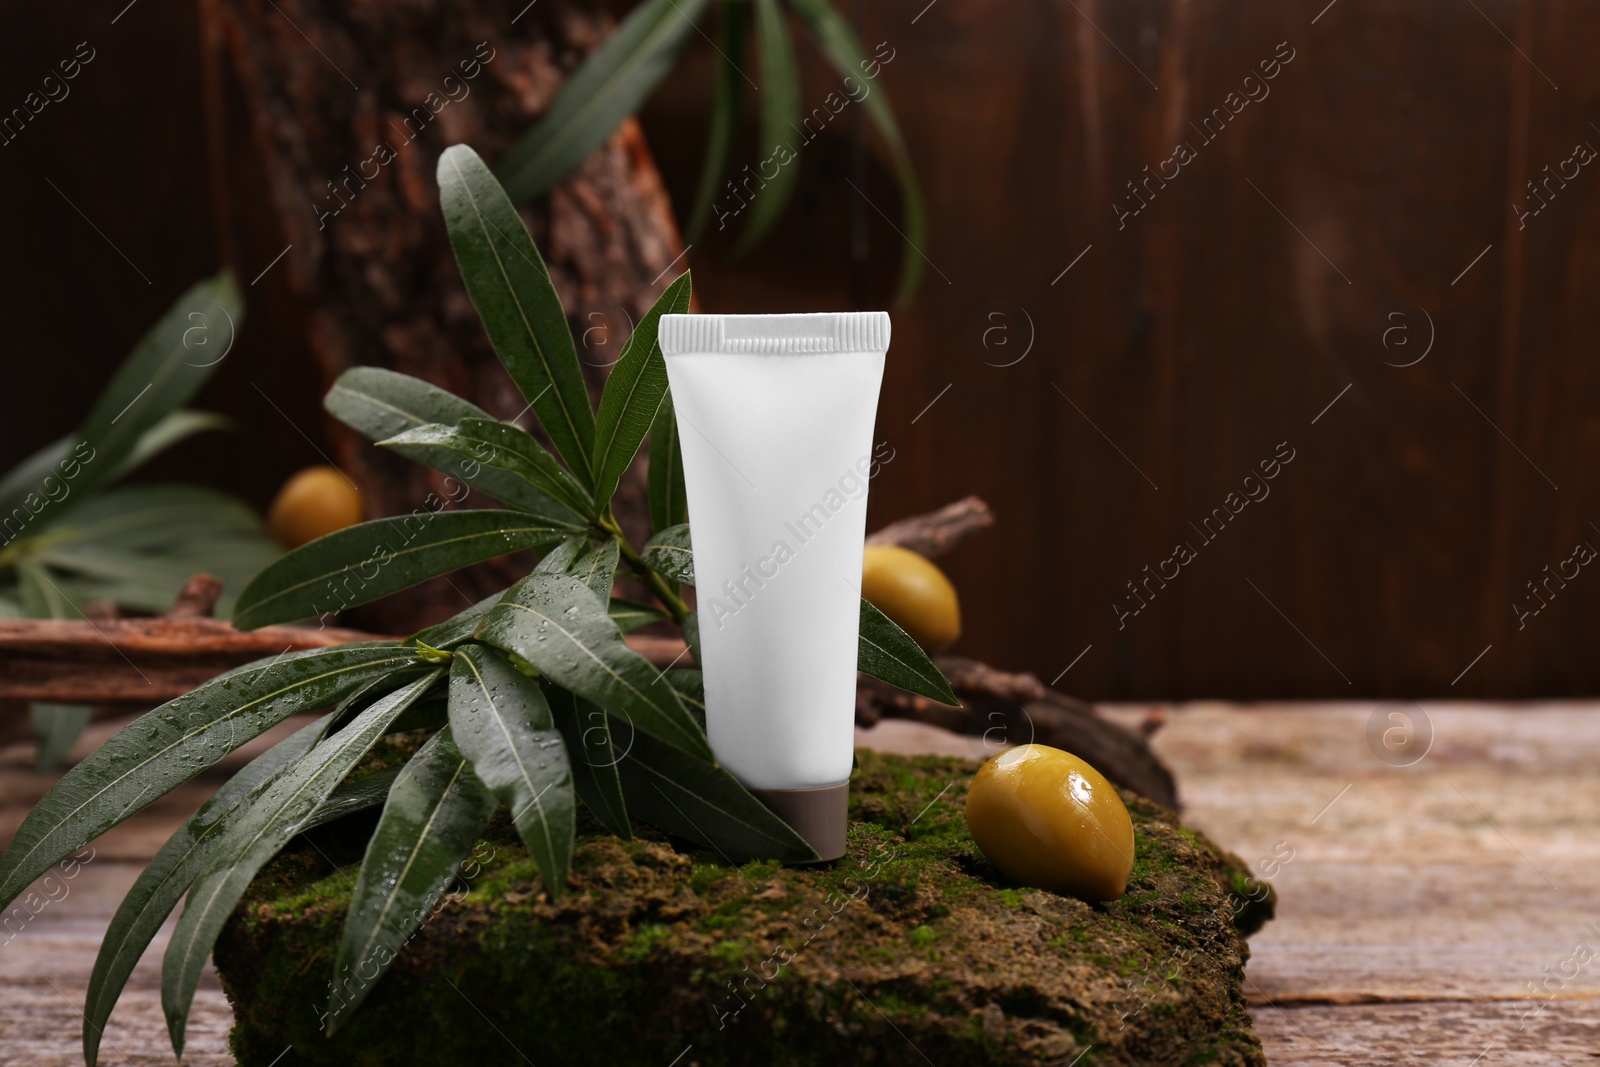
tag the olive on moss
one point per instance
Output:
(1049, 820)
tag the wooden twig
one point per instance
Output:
(146, 661)
(937, 532)
(138, 663)
(1016, 709)
(198, 598)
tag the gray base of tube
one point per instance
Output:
(818, 815)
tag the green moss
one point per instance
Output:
(913, 946)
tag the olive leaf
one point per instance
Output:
(670, 553)
(844, 53)
(40, 597)
(519, 471)
(594, 100)
(633, 393)
(359, 795)
(435, 810)
(168, 430)
(780, 114)
(733, 24)
(166, 747)
(594, 748)
(668, 499)
(27, 477)
(166, 878)
(503, 725)
(138, 544)
(695, 798)
(554, 622)
(251, 834)
(57, 728)
(138, 517)
(379, 403)
(361, 563)
(597, 568)
(595, 564)
(172, 361)
(363, 698)
(691, 687)
(691, 636)
(631, 615)
(510, 287)
(889, 653)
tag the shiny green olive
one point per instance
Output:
(1049, 820)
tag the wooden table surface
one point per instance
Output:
(1428, 914)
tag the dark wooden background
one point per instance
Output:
(1319, 242)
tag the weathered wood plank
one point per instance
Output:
(1409, 928)
(1433, 1034)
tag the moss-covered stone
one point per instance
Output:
(911, 949)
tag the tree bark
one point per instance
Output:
(330, 91)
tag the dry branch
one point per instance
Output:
(1017, 709)
(136, 661)
(120, 664)
(937, 532)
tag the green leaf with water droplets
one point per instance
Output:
(503, 725)
(362, 563)
(252, 834)
(594, 562)
(596, 743)
(164, 748)
(670, 553)
(668, 499)
(630, 615)
(510, 286)
(555, 623)
(435, 810)
(166, 878)
(504, 461)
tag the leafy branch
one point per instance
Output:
(69, 536)
(620, 76)
(522, 695)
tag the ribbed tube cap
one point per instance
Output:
(818, 815)
(834, 331)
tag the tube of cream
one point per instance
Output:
(775, 417)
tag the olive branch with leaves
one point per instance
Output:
(524, 695)
(620, 76)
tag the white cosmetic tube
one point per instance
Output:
(775, 416)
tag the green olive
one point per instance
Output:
(913, 592)
(314, 503)
(1049, 820)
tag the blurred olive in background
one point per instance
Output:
(313, 503)
(911, 590)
